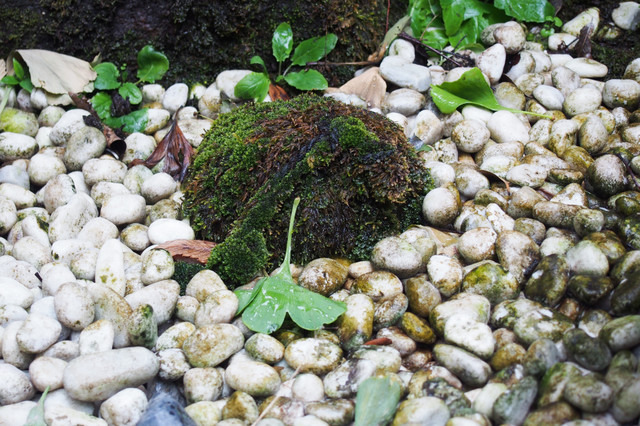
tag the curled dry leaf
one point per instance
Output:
(583, 45)
(277, 93)
(369, 86)
(191, 251)
(174, 149)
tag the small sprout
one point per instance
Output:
(264, 308)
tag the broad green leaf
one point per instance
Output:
(10, 80)
(36, 414)
(306, 80)
(151, 64)
(526, 10)
(422, 13)
(107, 78)
(26, 85)
(282, 42)
(470, 88)
(436, 38)
(253, 86)
(455, 12)
(131, 92)
(258, 60)
(376, 401)
(18, 69)
(101, 102)
(314, 49)
(133, 122)
(266, 306)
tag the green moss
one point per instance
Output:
(357, 177)
(183, 273)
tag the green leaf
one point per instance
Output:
(526, 10)
(26, 85)
(422, 13)
(10, 80)
(107, 78)
(470, 88)
(18, 69)
(265, 308)
(36, 414)
(131, 92)
(253, 86)
(101, 102)
(258, 60)
(151, 64)
(306, 80)
(376, 401)
(133, 122)
(282, 42)
(314, 49)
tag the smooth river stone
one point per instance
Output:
(97, 376)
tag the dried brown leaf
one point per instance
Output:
(192, 251)
(583, 45)
(369, 86)
(277, 93)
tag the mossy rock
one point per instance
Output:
(358, 179)
(200, 38)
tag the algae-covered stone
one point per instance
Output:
(541, 324)
(311, 355)
(18, 121)
(541, 355)
(471, 305)
(589, 290)
(589, 352)
(559, 413)
(469, 368)
(491, 281)
(323, 276)
(143, 328)
(513, 406)
(622, 333)
(358, 178)
(426, 410)
(422, 295)
(417, 328)
(625, 299)
(630, 231)
(554, 381)
(377, 285)
(356, 324)
(549, 281)
(589, 394)
(210, 345)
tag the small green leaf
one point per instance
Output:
(26, 85)
(36, 414)
(131, 92)
(258, 60)
(107, 78)
(133, 122)
(266, 306)
(314, 49)
(10, 80)
(470, 88)
(282, 42)
(152, 65)
(376, 401)
(101, 102)
(253, 86)
(18, 69)
(306, 80)
(526, 10)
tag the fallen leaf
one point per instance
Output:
(380, 341)
(56, 73)
(583, 45)
(369, 86)
(174, 149)
(3, 68)
(277, 93)
(192, 251)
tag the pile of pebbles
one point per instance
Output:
(527, 312)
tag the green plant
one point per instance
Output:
(460, 22)
(20, 78)
(264, 308)
(36, 414)
(114, 87)
(470, 88)
(256, 85)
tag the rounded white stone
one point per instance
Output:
(124, 209)
(163, 230)
(46, 372)
(125, 408)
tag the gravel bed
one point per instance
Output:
(525, 311)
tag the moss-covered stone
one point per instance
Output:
(358, 178)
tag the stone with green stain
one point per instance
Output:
(358, 178)
(486, 398)
(553, 414)
(609, 243)
(541, 355)
(554, 381)
(622, 333)
(549, 281)
(507, 356)
(589, 290)
(474, 306)
(591, 353)
(470, 369)
(313, 355)
(210, 345)
(143, 329)
(491, 281)
(377, 285)
(455, 399)
(622, 368)
(541, 324)
(241, 406)
(425, 410)
(388, 311)
(513, 406)
(264, 348)
(385, 358)
(625, 404)
(625, 299)
(18, 121)
(588, 394)
(417, 328)
(355, 326)
(627, 265)
(423, 296)
(174, 336)
(506, 314)
(323, 276)
(593, 320)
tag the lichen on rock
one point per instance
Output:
(358, 178)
